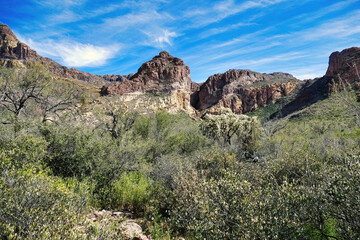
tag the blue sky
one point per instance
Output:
(116, 37)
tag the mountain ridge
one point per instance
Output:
(240, 90)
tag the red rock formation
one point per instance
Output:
(243, 90)
(164, 73)
(344, 64)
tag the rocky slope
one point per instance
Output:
(242, 90)
(343, 69)
(15, 53)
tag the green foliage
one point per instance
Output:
(34, 205)
(157, 227)
(228, 125)
(183, 175)
(72, 152)
(132, 192)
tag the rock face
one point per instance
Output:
(343, 69)
(345, 64)
(164, 73)
(12, 48)
(14, 53)
(242, 90)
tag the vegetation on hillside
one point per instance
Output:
(223, 177)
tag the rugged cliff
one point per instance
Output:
(242, 90)
(165, 76)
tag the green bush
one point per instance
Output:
(131, 192)
(34, 205)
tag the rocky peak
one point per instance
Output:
(234, 82)
(14, 53)
(343, 69)
(344, 64)
(164, 73)
(12, 48)
(6, 31)
(164, 54)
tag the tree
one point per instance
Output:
(227, 125)
(19, 86)
(61, 97)
(121, 122)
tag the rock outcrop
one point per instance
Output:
(344, 64)
(343, 69)
(15, 53)
(12, 48)
(164, 73)
(242, 90)
(165, 76)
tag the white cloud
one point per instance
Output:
(74, 54)
(137, 20)
(65, 16)
(165, 37)
(256, 63)
(214, 31)
(324, 11)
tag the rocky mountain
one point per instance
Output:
(165, 76)
(164, 73)
(343, 69)
(15, 53)
(168, 78)
(242, 90)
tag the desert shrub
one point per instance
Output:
(157, 227)
(25, 151)
(34, 205)
(74, 151)
(142, 126)
(132, 192)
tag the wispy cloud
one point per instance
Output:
(252, 63)
(74, 54)
(161, 38)
(222, 10)
(215, 31)
(306, 18)
(59, 3)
